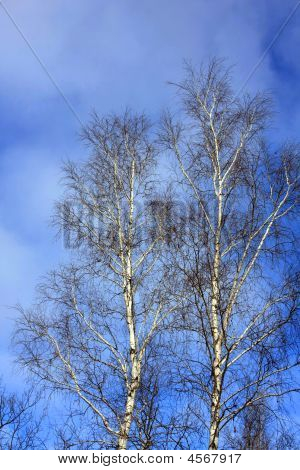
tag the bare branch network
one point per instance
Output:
(177, 321)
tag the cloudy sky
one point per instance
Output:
(108, 55)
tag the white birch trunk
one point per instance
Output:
(216, 332)
(133, 386)
(135, 360)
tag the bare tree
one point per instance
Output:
(237, 254)
(95, 318)
(260, 427)
(19, 427)
(252, 433)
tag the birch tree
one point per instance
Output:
(236, 256)
(95, 317)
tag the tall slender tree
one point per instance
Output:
(95, 318)
(236, 255)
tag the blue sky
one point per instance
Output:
(108, 55)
